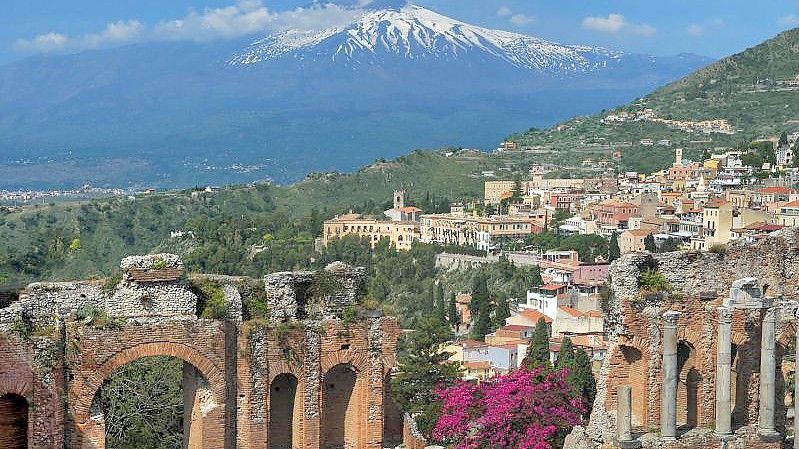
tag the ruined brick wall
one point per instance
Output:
(700, 282)
(56, 357)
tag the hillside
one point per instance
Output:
(749, 90)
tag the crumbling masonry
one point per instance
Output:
(705, 363)
(309, 374)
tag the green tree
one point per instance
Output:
(583, 378)
(649, 244)
(452, 312)
(482, 324)
(441, 303)
(479, 293)
(421, 368)
(783, 139)
(502, 311)
(580, 375)
(614, 252)
(538, 351)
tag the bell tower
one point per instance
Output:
(399, 199)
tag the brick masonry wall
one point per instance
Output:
(700, 281)
(229, 365)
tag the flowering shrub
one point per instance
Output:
(527, 409)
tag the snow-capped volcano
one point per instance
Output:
(391, 28)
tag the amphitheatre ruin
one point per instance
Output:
(309, 375)
(707, 363)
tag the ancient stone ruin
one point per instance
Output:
(704, 361)
(309, 371)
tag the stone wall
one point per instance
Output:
(60, 341)
(699, 282)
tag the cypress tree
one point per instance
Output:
(482, 325)
(502, 311)
(454, 316)
(614, 252)
(583, 378)
(441, 303)
(538, 352)
(649, 244)
(566, 356)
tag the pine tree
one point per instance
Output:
(538, 352)
(614, 252)
(452, 312)
(502, 311)
(649, 244)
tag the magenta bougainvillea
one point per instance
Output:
(527, 409)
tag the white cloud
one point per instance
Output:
(520, 19)
(791, 20)
(615, 24)
(114, 33)
(243, 18)
(696, 30)
(504, 11)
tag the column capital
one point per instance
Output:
(671, 317)
(725, 315)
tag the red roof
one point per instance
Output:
(792, 204)
(718, 202)
(410, 209)
(535, 315)
(552, 287)
(480, 364)
(571, 311)
(593, 314)
(776, 189)
(516, 327)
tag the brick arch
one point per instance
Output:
(629, 360)
(180, 351)
(344, 413)
(359, 360)
(690, 377)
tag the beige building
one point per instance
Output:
(401, 234)
(788, 214)
(494, 190)
(477, 232)
(633, 240)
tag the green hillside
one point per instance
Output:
(748, 90)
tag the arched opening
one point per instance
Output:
(740, 377)
(156, 401)
(634, 373)
(392, 417)
(285, 413)
(341, 408)
(688, 381)
(13, 422)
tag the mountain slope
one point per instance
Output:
(399, 77)
(413, 32)
(755, 92)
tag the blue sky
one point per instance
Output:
(713, 28)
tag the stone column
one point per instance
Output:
(723, 367)
(668, 398)
(624, 436)
(768, 368)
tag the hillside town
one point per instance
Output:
(688, 206)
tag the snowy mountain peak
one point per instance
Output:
(393, 28)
